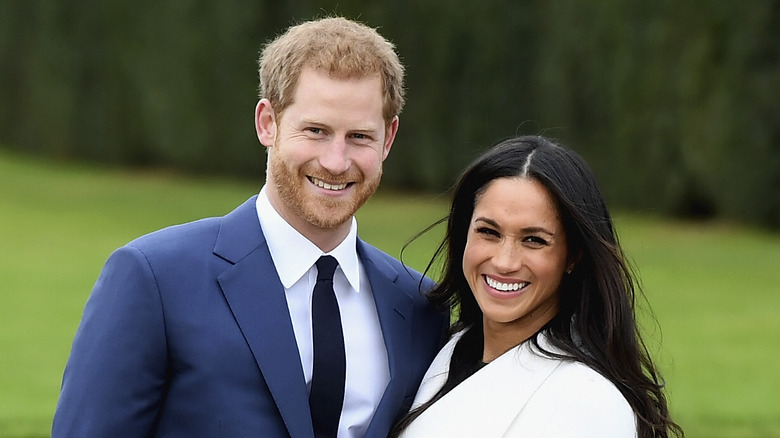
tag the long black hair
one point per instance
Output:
(595, 324)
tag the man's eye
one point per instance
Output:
(360, 136)
(314, 130)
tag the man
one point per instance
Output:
(206, 329)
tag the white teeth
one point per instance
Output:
(326, 186)
(504, 287)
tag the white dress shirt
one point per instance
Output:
(294, 257)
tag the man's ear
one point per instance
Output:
(390, 132)
(265, 123)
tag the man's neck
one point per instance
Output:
(326, 239)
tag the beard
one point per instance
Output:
(321, 211)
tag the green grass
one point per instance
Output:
(713, 288)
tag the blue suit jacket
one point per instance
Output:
(187, 334)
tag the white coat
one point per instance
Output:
(525, 394)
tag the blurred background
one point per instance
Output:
(674, 103)
(121, 117)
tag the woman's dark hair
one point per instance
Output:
(595, 323)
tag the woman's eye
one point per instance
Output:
(487, 232)
(535, 241)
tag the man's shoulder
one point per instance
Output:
(403, 276)
(179, 232)
(188, 236)
(378, 257)
(369, 251)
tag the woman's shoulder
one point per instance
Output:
(586, 384)
(437, 372)
(580, 381)
(445, 353)
(581, 398)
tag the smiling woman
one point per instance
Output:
(546, 342)
(514, 259)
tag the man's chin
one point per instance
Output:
(328, 223)
(329, 213)
(329, 217)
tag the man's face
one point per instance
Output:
(327, 149)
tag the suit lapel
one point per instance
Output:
(256, 297)
(394, 311)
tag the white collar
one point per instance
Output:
(520, 371)
(293, 254)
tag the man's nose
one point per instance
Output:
(334, 157)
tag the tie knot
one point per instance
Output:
(326, 266)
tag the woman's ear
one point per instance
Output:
(573, 262)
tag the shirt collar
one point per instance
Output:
(293, 254)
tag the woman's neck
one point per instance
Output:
(502, 337)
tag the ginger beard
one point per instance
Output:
(321, 211)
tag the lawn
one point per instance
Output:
(713, 287)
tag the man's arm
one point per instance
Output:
(115, 377)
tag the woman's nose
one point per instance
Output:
(508, 258)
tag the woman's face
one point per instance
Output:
(515, 256)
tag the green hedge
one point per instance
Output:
(673, 103)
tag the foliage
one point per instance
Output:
(673, 103)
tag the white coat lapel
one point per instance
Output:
(486, 403)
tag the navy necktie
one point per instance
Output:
(329, 371)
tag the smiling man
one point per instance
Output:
(275, 320)
(325, 152)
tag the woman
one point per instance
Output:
(545, 343)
